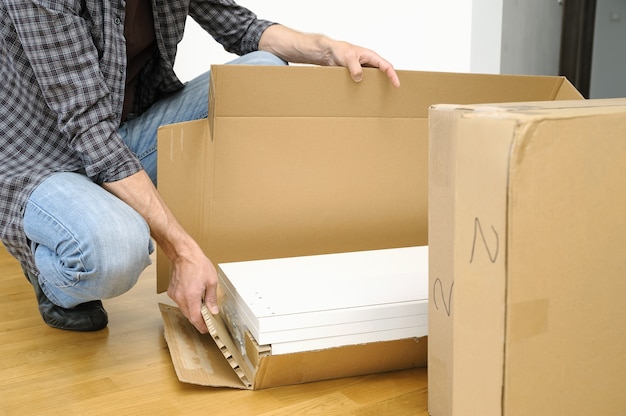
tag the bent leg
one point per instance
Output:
(88, 244)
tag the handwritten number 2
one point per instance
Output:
(447, 305)
(439, 291)
(478, 229)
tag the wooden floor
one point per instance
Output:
(126, 369)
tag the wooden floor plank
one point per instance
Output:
(126, 368)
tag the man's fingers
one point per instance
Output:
(356, 70)
(355, 64)
(191, 311)
(386, 68)
(392, 75)
(210, 300)
(200, 325)
(197, 320)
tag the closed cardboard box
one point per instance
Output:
(301, 160)
(527, 259)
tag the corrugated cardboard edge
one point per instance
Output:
(196, 357)
(227, 347)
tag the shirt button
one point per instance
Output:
(117, 21)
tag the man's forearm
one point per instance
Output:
(138, 191)
(193, 279)
(294, 46)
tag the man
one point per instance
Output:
(85, 85)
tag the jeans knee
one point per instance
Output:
(103, 266)
(121, 261)
(260, 58)
(87, 243)
(69, 281)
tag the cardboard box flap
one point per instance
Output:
(197, 358)
(567, 92)
(312, 91)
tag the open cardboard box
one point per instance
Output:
(527, 263)
(301, 160)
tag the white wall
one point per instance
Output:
(486, 36)
(428, 35)
(412, 34)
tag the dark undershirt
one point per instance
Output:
(140, 44)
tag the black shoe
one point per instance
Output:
(89, 316)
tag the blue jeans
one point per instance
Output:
(88, 244)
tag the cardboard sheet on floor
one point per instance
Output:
(197, 358)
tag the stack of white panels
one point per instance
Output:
(315, 302)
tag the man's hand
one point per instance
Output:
(355, 58)
(194, 278)
(193, 281)
(298, 47)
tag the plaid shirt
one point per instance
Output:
(62, 72)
